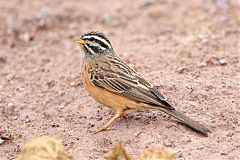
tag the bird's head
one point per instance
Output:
(94, 43)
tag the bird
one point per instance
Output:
(113, 83)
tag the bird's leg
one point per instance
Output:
(127, 111)
(104, 127)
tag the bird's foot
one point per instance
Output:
(104, 129)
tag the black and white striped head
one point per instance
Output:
(94, 43)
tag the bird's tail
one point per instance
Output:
(187, 121)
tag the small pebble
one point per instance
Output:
(41, 24)
(70, 132)
(10, 77)
(62, 93)
(224, 154)
(27, 120)
(26, 37)
(168, 143)
(1, 141)
(30, 50)
(10, 104)
(204, 38)
(20, 88)
(222, 62)
(237, 129)
(15, 117)
(60, 107)
(55, 125)
(181, 70)
(180, 156)
(203, 64)
(5, 134)
(146, 3)
(99, 118)
(3, 58)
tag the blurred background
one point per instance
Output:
(188, 49)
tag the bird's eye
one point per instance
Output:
(91, 39)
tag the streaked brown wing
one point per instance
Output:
(132, 86)
(151, 88)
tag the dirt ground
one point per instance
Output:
(189, 49)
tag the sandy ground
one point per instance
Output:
(189, 49)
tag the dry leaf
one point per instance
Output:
(117, 153)
(157, 154)
(44, 148)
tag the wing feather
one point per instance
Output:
(131, 86)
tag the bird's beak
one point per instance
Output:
(79, 41)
